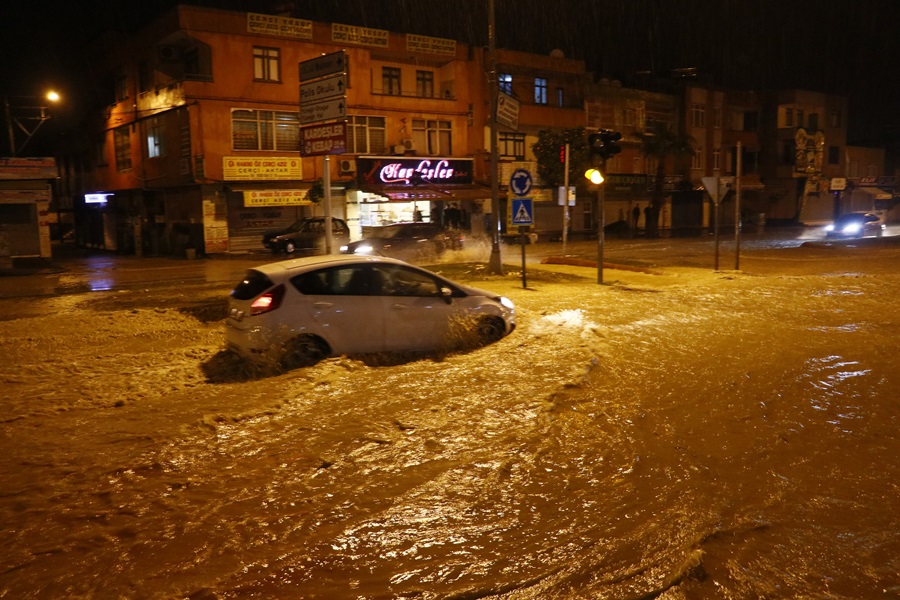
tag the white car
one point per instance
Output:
(854, 225)
(295, 312)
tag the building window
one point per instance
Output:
(834, 155)
(835, 118)
(650, 165)
(560, 98)
(425, 84)
(102, 160)
(717, 117)
(122, 140)
(787, 153)
(698, 115)
(120, 86)
(789, 117)
(505, 83)
(511, 145)
(265, 130)
(154, 130)
(390, 81)
(540, 90)
(717, 159)
(432, 137)
(367, 135)
(266, 64)
(813, 121)
(629, 117)
(697, 159)
(799, 117)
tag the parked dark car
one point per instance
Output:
(307, 235)
(412, 241)
(854, 225)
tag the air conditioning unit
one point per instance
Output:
(409, 145)
(399, 149)
(346, 166)
(169, 53)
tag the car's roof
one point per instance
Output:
(293, 266)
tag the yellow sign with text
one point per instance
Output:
(237, 168)
(276, 198)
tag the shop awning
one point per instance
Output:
(877, 193)
(447, 193)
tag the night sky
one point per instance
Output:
(838, 46)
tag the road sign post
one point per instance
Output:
(323, 97)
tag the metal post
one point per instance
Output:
(495, 265)
(565, 225)
(9, 126)
(737, 211)
(602, 224)
(326, 183)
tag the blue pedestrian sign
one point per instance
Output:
(522, 211)
(520, 182)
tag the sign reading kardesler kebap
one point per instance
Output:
(329, 138)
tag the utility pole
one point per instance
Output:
(495, 265)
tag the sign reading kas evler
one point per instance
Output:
(298, 29)
(261, 168)
(361, 36)
(324, 139)
(431, 45)
(276, 198)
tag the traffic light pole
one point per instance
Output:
(600, 228)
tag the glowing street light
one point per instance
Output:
(27, 114)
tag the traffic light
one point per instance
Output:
(611, 142)
(604, 145)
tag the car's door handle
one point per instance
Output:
(323, 304)
(399, 305)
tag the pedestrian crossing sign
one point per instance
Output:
(522, 211)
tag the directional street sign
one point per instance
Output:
(323, 89)
(522, 211)
(323, 111)
(323, 66)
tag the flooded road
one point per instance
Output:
(674, 433)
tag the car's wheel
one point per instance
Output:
(303, 351)
(290, 246)
(491, 329)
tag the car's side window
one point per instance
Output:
(399, 281)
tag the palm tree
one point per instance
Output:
(660, 142)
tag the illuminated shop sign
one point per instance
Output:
(96, 198)
(399, 171)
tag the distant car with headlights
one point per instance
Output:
(855, 225)
(306, 235)
(413, 241)
(293, 313)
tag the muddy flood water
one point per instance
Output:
(673, 433)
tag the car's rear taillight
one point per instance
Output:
(268, 301)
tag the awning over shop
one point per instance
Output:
(447, 193)
(876, 193)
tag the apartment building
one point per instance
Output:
(201, 141)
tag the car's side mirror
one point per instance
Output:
(447, 294)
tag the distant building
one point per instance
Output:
(26, 191)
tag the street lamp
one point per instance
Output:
(28, 118)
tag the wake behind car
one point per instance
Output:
(293, 313)
(855, 225)
(306, 234)
(413, 241)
